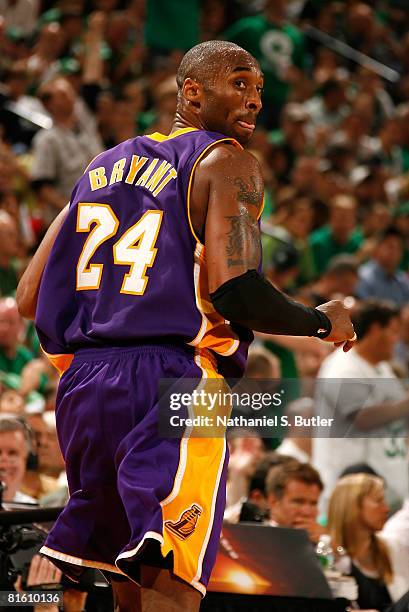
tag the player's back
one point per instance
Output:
(126, 264)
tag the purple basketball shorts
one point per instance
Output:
(130, 490)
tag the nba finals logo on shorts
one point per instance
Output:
(186, 524)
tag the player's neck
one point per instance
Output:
(186, 119)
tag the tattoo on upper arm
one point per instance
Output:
(248, 192)
(243, 237)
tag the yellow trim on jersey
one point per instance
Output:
(61, 361)
(260, 212)
(56, 554)
(161, 137)
(197, 481)
(214, 332)
(92, 160)
(192, 172)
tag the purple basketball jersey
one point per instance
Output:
(127, 267)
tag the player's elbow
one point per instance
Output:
(225, 310)
(228, 302)
(26, 302)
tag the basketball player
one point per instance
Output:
(158, 250)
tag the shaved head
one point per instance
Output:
(203, 62)
(219, 90)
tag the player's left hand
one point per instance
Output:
(342, 332)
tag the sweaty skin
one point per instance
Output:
(231, 231)
(226, 199)
(227, 189)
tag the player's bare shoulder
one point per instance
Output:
(226, 173)
(237, 167)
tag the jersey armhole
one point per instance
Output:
(192, 173)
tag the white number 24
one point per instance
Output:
(135, 248)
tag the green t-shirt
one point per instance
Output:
(405, 159)
(324, 247)
(172, 24)
(32, 341)
(289, 383)
(276, 48)
(8, 281)
(404, 264)
(306, 265)
(17, 363)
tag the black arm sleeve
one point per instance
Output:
(250, 300)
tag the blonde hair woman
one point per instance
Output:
(357, 512)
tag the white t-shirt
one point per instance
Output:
(22, 498)
(289, 448)
(342, 398)
(397, 526)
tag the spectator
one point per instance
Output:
(61, 154)
(298, 443)
(283, 268)
(20, 14)
(380, 277)
(50, 475)
(48, 47)
(279, 47)
(13, 355)
(397, 526)
(11, 403)
(403, 116)
(293, 491)
(357, 512)
(327, 110)
(401, 353)
(292, 224)
(355, 131)
(17, 106)
(50, 460)
(369, 183)
(401, 222)
(262, 364)
(253, 506)
(123, 122)
(359, 468)
(375, 218)
(134, 93)
(304, 175)
(72, 25)
(366, 33)
(340, 155)
(337, 282)
(389, 146)
(371, 83)
(373, 404)
(164, 108)
(338, 236)
(292, 134)
(15, 445)
(246, 450)
(105, 117)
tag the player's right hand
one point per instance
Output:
(342, 329)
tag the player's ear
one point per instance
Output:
(192, 92)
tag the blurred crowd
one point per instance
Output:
(80, 76)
